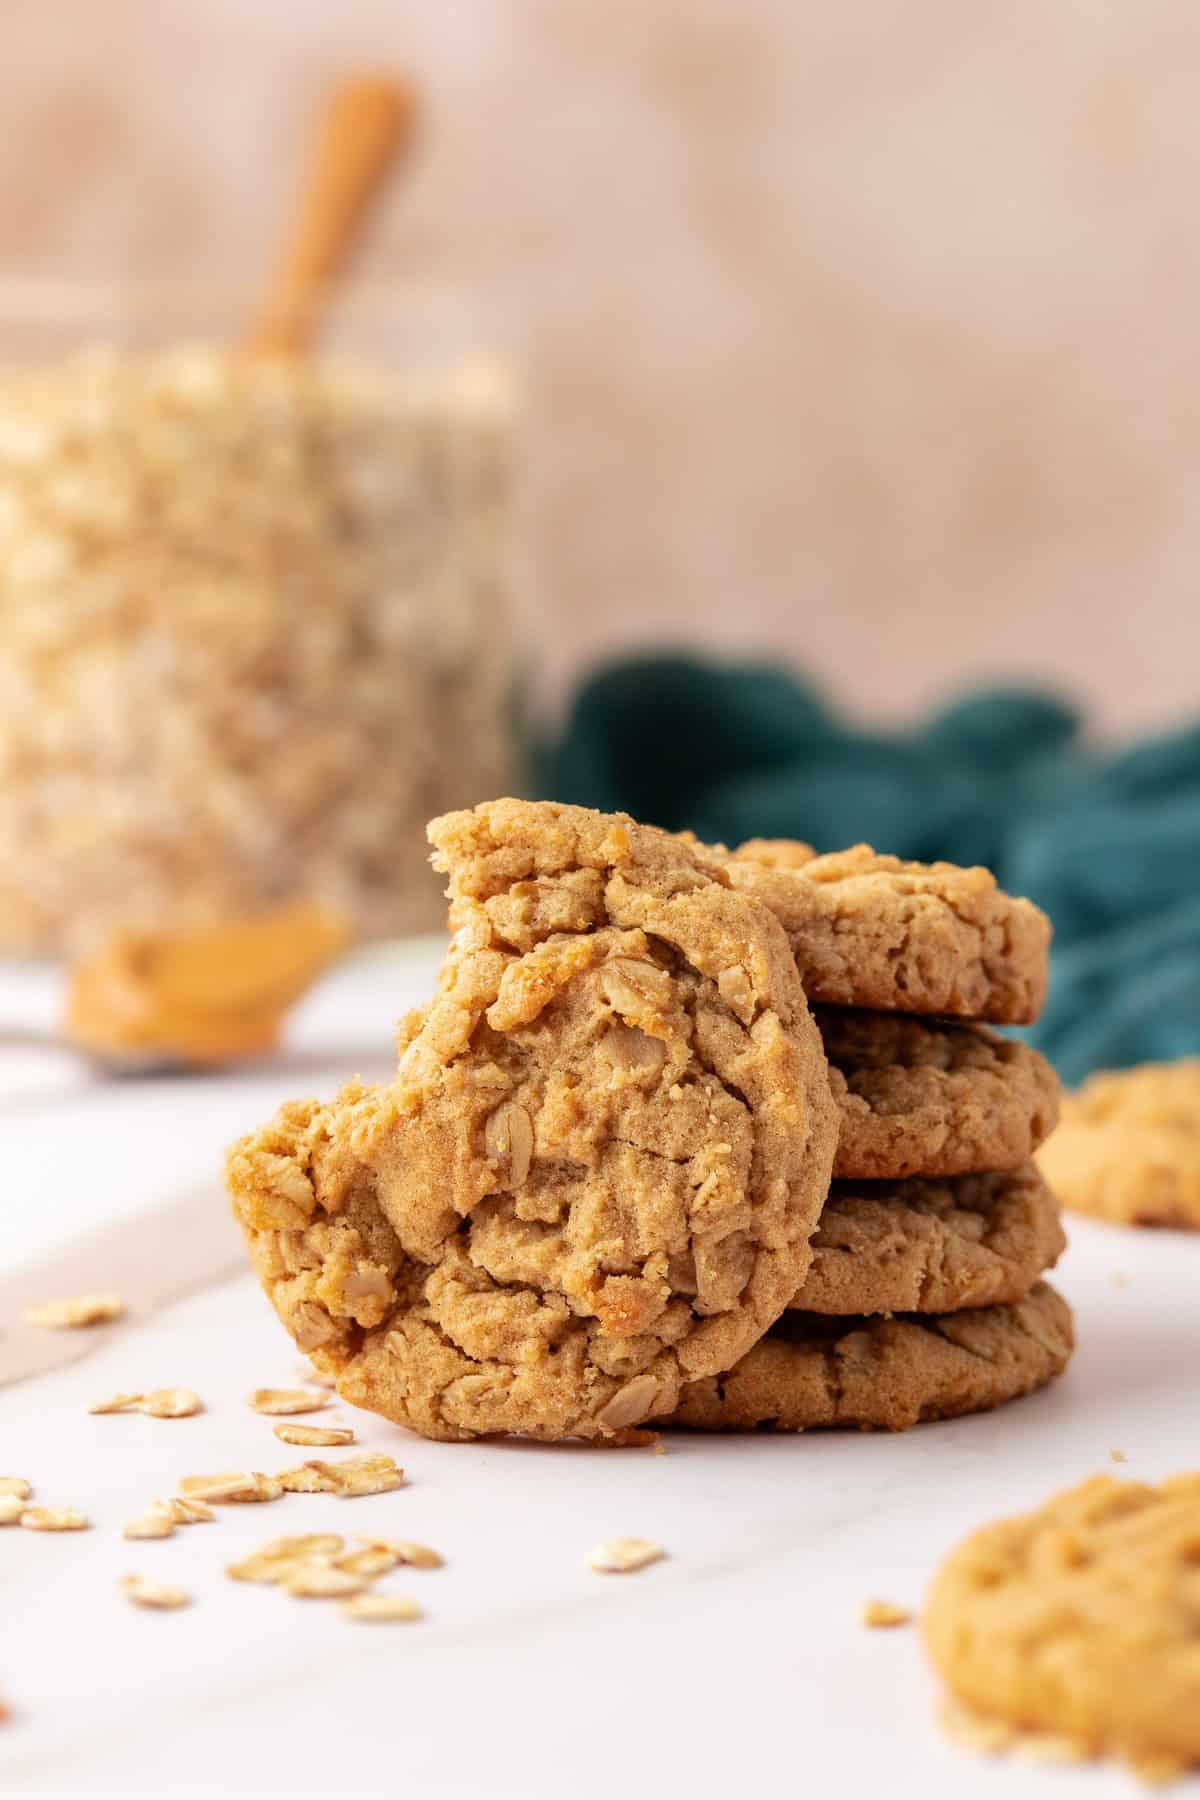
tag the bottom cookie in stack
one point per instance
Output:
(923, 1302)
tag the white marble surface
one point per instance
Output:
(736, 1665)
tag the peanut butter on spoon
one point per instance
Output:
(207, 995)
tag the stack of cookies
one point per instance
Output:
(924, 1299)
(597, 1192)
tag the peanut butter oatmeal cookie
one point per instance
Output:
(1082, 1618)
(924, 1097)
(1128, 1148)
(597, 1170)
(932, 1246)
(870, 930)
(886, 1374)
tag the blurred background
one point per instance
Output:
(857, 343)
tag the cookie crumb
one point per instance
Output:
(274, 1401)
(1117, 1456)
(70, 1315)
(159, 1596)
(314, 1435)
(1120, 1278)
(380, 1608)
(883, 1615)
(621, 1556)
(54, 1518)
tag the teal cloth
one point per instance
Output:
(1108, 844)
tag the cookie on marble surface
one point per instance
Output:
(1082, 1618)
(869, 930)
(927, 1097)
(885, 1374)
(1128, 1147)
(598, 1168)
(921, 1246)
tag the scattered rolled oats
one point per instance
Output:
(620, 1556)
(414, 1556)
(286, 1400)
(152, 1524)
(315, 1435)
(230, 1490)
(279, 1559)
(11, 1508)
(118, 1404)
(882, 1615)
(158, 1595)
(69, 1315)
(355, 1476)
(54, 1518)
(16, 1484)
(184, 1512)
(381, 1609)
(319, 1581)
(368, 1563)
(170, 1403)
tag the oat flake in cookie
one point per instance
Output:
(870, 930)
(596, 1172)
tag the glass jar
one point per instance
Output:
(254, 613)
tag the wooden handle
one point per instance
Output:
(370, 120)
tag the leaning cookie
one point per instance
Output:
(885, 1374)
(596, 1173)
(1128, 1148)
(926, 1097)
(931, 1246)
(1080, 1619)
(870, 930)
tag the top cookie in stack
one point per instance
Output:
(937, 1213)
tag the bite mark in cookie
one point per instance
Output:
(598, 1168)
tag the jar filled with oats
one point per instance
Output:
(254, 618)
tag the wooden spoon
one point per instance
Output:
(369, 121)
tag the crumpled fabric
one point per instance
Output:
(1108, 843)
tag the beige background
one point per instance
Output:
(865, 333)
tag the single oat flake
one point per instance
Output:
(170, 1403)
(16, 1484)
(275, 1401)
(159, 1596)
(11, 1508)
(413, 1556)
(381, 1609)
(152, 1524)
(313, 1436)
(70, 1315)
(281, 1557)
(354, 1476)
(230, 1490)
(54, 1518)
(319, 1581)
(883, 1615)
(621, 1556)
